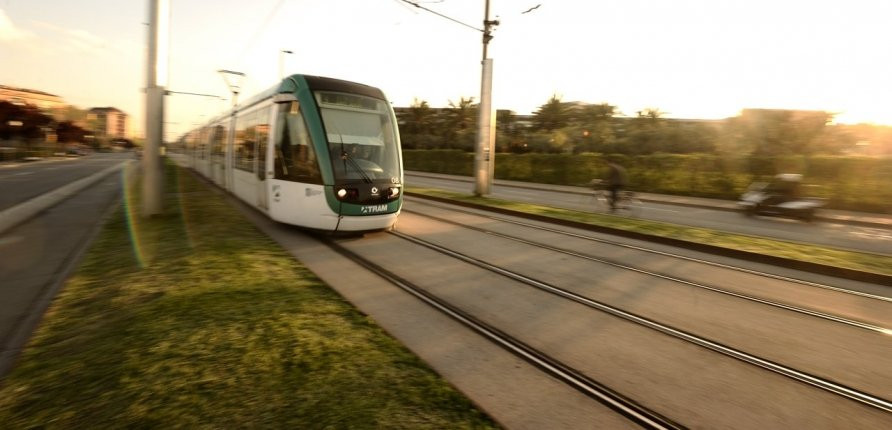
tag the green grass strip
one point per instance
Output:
(805, 252)
(195, 319)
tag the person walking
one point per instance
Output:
(616, 181)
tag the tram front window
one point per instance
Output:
(361, 136)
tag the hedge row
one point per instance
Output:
(852, 183)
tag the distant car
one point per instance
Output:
(780, 197)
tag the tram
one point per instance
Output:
(314, 152)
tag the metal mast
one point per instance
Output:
(484, 157)
(156, 80)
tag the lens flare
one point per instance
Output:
(130, 211)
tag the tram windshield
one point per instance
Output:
(361, 136)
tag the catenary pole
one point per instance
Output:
(282, 53)
(156, 80)
(233, 80)
(484, 157)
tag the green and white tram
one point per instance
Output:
(315, 152)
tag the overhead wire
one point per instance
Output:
(441, 15)
(400, 2)
(259, 31)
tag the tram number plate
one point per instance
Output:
(374, 209)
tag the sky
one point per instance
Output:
(687, 58)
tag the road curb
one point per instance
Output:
(817, 268)
(15, 215)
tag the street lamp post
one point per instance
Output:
(282, 62)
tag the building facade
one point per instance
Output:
(108, 123)
(24, 96)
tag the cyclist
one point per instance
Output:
(616, 181)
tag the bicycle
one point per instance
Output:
(627, 203)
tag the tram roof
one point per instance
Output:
(289, 85)
(316, 83)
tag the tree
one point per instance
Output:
(593, 114)
(771, 132)
(462, 115)
(554, 114)
(595, 124)
(22, 121)
(458, 127)
(66, 131)
(646, 132)
(420, 119)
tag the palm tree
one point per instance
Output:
(462, 115)
(459, 123)
(420, 119)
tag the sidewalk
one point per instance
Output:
(829, 215)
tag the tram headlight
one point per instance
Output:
(347, 194)
(394, 192)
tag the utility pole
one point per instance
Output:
(484, 157)
(233, 80)
(156, 80)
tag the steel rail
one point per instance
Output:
(625, 406)
(818, 382)
(797, 309)
(663, 253)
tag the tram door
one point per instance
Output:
(218, 155)
(229, 155)
(261, 148)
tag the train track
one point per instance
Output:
(719, 290)
(653, 251)
(623, 405)
(620, 403)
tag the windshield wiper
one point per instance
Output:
(346, 156)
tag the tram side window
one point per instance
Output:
(190, 143)
(295, 158)
(219, 140)
(262, 137)
(245, 139)
(201, 143)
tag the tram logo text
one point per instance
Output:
(373, 209)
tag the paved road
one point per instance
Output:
(40, 253)
(21, 182)
(835, 234)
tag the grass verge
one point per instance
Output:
(805, 252)
(195, 319)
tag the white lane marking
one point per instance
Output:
(652, 208)
(24, 210)
(23, 173)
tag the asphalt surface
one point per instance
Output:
(845, 230)
(41, 252)
(23, 181)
